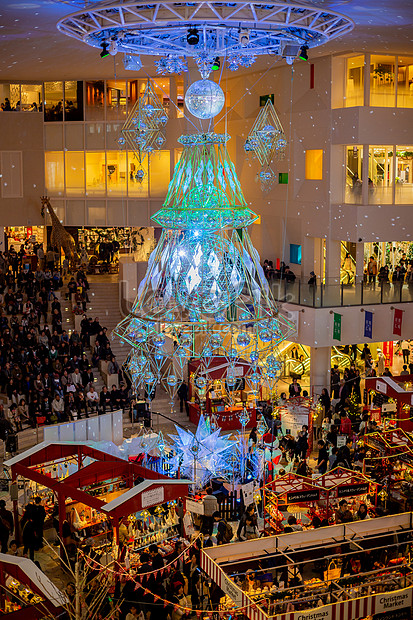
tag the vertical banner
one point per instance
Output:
(397, 322)
(337, 326)
(368, 324)
(388, 353)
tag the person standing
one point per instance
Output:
(345, 424)
(406, 351)
(294, 389)
(322, 459)
(29, 536)
(225, 533)
(372, 271)
(380, 362)
(183, 397)
(210, 503)
(6, 526)
(39, 516)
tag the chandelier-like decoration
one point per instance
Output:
(143, 131)
(170, 64)
(204, 294)
(267, 142)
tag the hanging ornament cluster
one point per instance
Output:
(143, 131)
(170, 64)
(267, 142)
(204, 293)
(236, 60)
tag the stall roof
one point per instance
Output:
(392, 440)
(339, 477)
(390, 386)
(140, 497)
(291, 483)
(37, 581)
(47, 452)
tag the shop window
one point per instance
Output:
(95, 136)
(31, 97)
(133, 92)
(9, 96)
(354, 177)
(11, 174)
(54, 173)
(382, 81)
(113, 134)
(380, 174)
(95, 100)
(115, 99)
(354, 91)
(74, 101)
(137, 186)
(96, 212)
(160, 173)
(75, 213)
(117, 212)
(116, 173)
(73, 137)
(314, 164)
(53, 101)
(75, 173)
(95, 174)
(404, 175)
(295, 254)
(404, 82)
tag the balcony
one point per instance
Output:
(333, 294)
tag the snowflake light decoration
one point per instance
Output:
(170, 64)
(201, 455)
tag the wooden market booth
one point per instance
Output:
(26, 592)
(103, 490)
(400, 390)
(315, 494)
(216, 397)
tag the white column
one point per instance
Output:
(359, 261)
(333, 260)
(320, 368)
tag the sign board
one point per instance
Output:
(397, 614)
(292, 422)
(381, 387)
(188, 524)
(353, 489)
(232, 590)
(153, 497)
(322, 613)
(303, 496)
(387, 407)
(341, 440)
(248, 493)
(193, 506)
(393, 601)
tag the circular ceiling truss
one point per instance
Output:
(161, 28)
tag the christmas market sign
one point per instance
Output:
(231, 590)
(303, 496)
(322, 613)
(353, 489)
(393, 601)
(152, 497)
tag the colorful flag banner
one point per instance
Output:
(337, 326)
(368, 324)
(397, 322)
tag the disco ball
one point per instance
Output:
(204, 99)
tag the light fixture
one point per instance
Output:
(131, 62)
(192, 37)
(303, 53)
(289, 60)
(113, 47)
(216, 64)
(105, 51)
(244, 37)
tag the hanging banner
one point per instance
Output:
(368, 324)
(337, 326)
(397, 322)
(388, 353)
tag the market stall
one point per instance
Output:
(353, 571)
(102, 490)
(391, 401)
(26, 591)
(221, 397)
(294, 414)
(319, 496)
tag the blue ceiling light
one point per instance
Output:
(239, 31)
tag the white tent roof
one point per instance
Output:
(139, 488)
(39, 579)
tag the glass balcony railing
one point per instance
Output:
(334, 293)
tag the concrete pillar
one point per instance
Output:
(320, 368)
(359, 261)
(333, 261)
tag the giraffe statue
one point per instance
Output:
(59, 236)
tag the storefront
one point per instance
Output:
(220, 396)
(390, 400)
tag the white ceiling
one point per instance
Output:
(31, 48)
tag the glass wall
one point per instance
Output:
(75, 173)
(382, 81)
(404, 175)
(31, 97)
(116, 173)
(10, 97)
(354, 175)
(354, 82)
(73, 101)
(138, 177)
(95, 100)
(115, 99)
(380, 174)
(53, 101)
(54, 173)
(95, 174)
(404, 82)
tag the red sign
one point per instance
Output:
(388, 353)
(397, 322)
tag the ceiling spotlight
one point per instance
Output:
(244, 37)
(192, 37)
(303, 53)
(113, 47)
(216, 64)
(105, 51)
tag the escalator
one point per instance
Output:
(347, 266)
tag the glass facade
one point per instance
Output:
(380, 175)
(354, 81)
(382, 81)
(314, 164)
(354, 175)
(53, 101)
(404, 175)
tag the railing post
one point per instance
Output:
(381, 291)
(401, 291)
(362, 291)
(342, 293)
(314, 289)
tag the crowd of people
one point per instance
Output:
(45, 372)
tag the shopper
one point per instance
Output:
(248, 524)
(294, 389)
(225, 532)
(406, 351)
(345, 424)
(39, 517)
(183, 397)
(210, 504)
(322, 459)
(6, 525)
